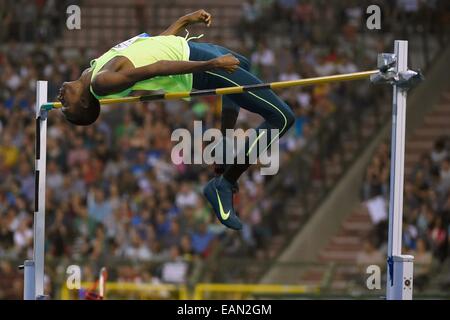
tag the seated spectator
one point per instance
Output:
(422, 264)
(438, 236)
(136, 249)
(175, 270)
(289, 74)
(186, 196)
(98, 207)
(369, 256)
(186, 249)
(439, 152)
(162, 224)
(174, 236)
(410, 235)
(445, 174)
(23, 235)
(58, 234)
(201, 239)
(54, 176)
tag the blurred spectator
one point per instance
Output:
(137, 250)
(186, 196)
(201, 239)
(423, 260)
(264, 61)
(175, 270)
(438, 237)
(370, 255)
(23, 235)
(98, 207)
(58, 234)
(439, 152)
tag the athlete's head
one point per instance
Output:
(80, 107)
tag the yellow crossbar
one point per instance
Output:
(232, 90)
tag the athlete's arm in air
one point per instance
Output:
(184, 21)
(111, 81)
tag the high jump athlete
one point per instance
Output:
(172, 63)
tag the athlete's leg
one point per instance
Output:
(276, 114)
(230, 110)
(228, 119)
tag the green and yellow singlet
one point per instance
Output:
(143, 50)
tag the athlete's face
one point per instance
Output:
(70, 95)
(79, 106)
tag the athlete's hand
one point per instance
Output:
(198, 17)
(227, 62)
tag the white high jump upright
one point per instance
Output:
(34, 269)
(399, 267)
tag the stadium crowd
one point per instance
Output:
(113, 192)
(426, 205)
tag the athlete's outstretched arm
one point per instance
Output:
(107, 82)
(184, 21)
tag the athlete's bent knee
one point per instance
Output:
(290, 118)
